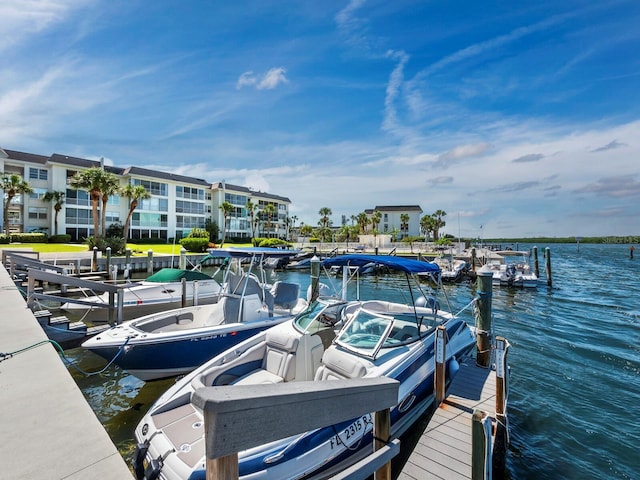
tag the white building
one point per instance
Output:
(391, 219)
(178, 203)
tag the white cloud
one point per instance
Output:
(23, 18)
(268, 81)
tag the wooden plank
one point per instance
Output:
(444, 449)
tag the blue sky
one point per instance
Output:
(516, 118)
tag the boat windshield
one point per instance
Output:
(325, 312)
(369, 331)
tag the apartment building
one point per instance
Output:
(178, 203)
(391, 219)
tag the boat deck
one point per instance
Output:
(444, 449)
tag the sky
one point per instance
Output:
(518, 119)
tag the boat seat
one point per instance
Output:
(278, 363)
(285, 294)
(339, 365)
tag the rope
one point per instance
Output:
(6, 356)
(471, 303)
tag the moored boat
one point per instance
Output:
(174, 342)
(332, 339)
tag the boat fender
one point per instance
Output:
(139, 454)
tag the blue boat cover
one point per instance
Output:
(248, 252)
(398, 263)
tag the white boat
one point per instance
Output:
(162, 288)
(451, 269)
(514, 271)
(174, 342)
(332, 339)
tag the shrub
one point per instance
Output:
(117, 244)
(62, 238)
(198, 233)
(273, 242)
(4, 238)
(29, 237)
(196, 245)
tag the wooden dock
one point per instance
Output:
(444, 450)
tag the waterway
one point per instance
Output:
(574, 359)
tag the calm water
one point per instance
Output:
(575, 363)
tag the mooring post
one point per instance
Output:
(94, 260)
(196, 289)
(183, 258)
(473, 259)
(480, 446)
(184, 292)
(547, 265)
(441, 355)
(315, 278)
(150, 261)
(120, 307)
(483, 320)
(536, 265)
(381, 436)
(108, 265)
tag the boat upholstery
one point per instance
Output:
(285, 294)
(279, 361)
(339, 365)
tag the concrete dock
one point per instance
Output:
(47, 429)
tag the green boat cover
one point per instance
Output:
(166, 275)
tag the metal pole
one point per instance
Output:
(547, 256)
(315, 278)
(150, 261)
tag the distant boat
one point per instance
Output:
(451, 269)
(515, 271)
(332, 339)
(174, 342)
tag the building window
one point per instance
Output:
(235, 199)
(154, 204)
(189, 192)
(38, 194)
(36, 213)
(189, 207)
(154, 188)
(38, 174)
(77, 197)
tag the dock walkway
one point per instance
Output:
(444, 449)
(47, 429)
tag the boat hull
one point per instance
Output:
(155, 357)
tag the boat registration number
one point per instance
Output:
(353, 432)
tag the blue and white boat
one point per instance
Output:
(174, 342)
(332, 339)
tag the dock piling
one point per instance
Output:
(547, 256)
(440, 354)
(536, 265)
(483, 320)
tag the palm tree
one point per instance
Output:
(110, 186)
(12, 185)
(58, 199)
(252, 208)
(404, 223)
(227, 209)
(438, 223)
(324, 213)
(134, 193)
(92, 180)
(305, 231)
(269, 210)
(376, 216)
(363, 221)
(427, 223)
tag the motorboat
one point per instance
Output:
(514, 271)
(163, 288)
(451, 269)
(176, 341)
(300, 261)
(334, 338)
